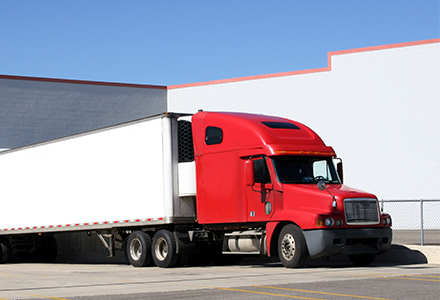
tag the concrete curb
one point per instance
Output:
(398, 254)
(432, 253)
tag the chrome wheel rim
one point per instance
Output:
(161, 249)
(288, 247)
(136, 249)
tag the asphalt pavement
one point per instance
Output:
(252, 279)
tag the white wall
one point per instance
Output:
(379, 109)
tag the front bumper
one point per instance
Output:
(327, 242)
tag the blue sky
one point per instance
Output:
(176, 42)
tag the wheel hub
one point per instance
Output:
(161, 249)
(135, 249)
(288, 247)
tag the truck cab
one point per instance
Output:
(274, 176)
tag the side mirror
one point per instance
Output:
(321, 185)
(340, 171)
(249, 172)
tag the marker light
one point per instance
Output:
(319, 223)
(301, 152)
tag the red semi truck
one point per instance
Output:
(215, 185)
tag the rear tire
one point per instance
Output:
(139, 249)
(292, 248)
(164, 249)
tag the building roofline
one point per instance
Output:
(228, 80)
(308, 71)
(86, 82)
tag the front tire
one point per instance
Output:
(292, 248)
(164, 249)
(139, 249)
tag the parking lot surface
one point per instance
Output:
(265, 280)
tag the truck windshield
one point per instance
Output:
(305, 169)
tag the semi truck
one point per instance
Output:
(171, 188)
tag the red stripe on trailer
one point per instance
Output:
(83, 224)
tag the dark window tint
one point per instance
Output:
(214, 135)
(280, 125)
(261, 172)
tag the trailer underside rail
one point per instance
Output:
(93, 226)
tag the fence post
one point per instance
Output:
(421, 223)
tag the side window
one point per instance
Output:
(320, 169)
(261, 172)
(213, 135)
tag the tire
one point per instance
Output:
(292, 248)
(362, 260)
(164, 249)
(138, 249)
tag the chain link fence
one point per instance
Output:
(415, 222)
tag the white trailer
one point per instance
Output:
(113, 180)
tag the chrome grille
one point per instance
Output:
(361, 211)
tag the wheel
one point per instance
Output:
(362, 260)
(139, 249)
(292, 248)
(164, 249)
(4, 251)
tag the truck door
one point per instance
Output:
(259, 190)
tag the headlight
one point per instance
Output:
(329, 222)
(389, 222)
(386, 220)
(339, 222)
